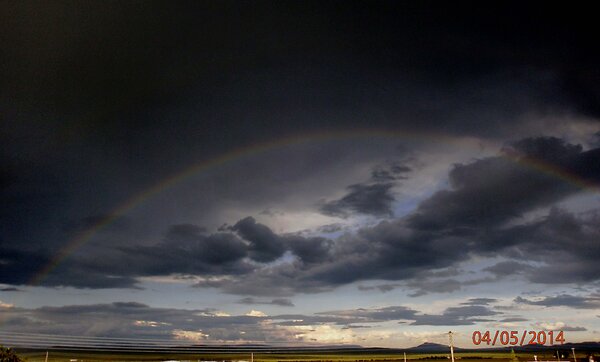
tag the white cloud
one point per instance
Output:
(256, 313)
(551, 326)
(150, 324)
(189, 335)
(323, 334)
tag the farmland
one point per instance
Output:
(338, 356)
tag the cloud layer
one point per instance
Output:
(471, 217)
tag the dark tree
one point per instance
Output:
(8, 355)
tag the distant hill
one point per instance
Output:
(424, 348)
(429, 347)
(583, 346)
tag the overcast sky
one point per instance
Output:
(372, 173)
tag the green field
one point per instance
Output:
(478, 356)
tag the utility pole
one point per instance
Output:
(574, 357)
(451, 345)
(405, 357)
(46, 356)
(251, 356)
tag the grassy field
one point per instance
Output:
(55, 356)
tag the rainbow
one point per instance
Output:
(256, 149)
(554, 171)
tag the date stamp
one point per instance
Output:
(516, 338)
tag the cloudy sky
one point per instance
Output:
(295, 172)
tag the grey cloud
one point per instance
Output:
(470, 310)
(330, 228)
(568, 328)
(442, 320)
(513, 319)
(464, 315)
(480, 301)
(505, 268)
(454, 316)
(376, 314)
(271, 212)
(564, 300)
(122, 319)
(184, 233)
(355, 326)
(393, 172)
(283, 302)
(565, 328)
(381, 287)
(423, 287)
(370, 199)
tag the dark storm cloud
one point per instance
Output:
(84, 224)
(468, 218)
(369, 199)
(310, 249)
(489, 191)
(564, 300)
(100, 102)
(218, 248)
(21, 267)
(189, 254)
(186, 249)
(265, 246)
(68, 59)
(570, 251)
